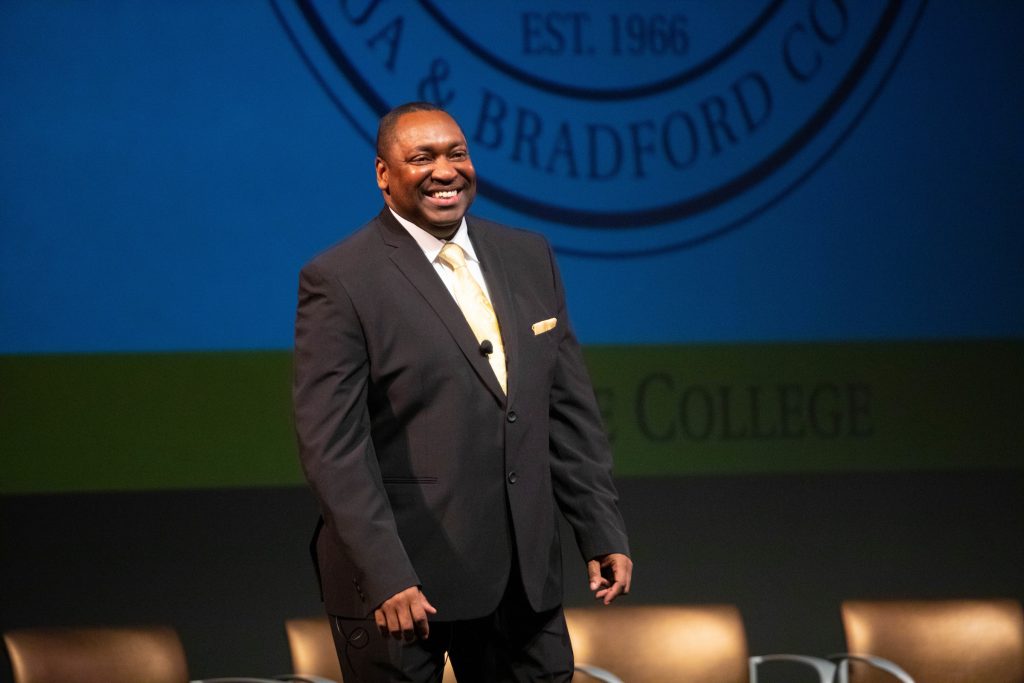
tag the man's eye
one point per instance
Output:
(458, 156)
(420, 159)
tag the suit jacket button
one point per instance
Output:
(513, 477)
(512, 417)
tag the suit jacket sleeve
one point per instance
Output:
(581, 465)
(335, 445)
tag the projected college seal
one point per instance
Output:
(618, 130)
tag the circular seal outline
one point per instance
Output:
(579, 218)
(604, 94)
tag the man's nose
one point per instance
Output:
(444, 170)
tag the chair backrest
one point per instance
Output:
(938, 641)
(312, 647)
(147, 654)
(697, 644)
(313, 653)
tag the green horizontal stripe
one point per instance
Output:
(144, 421)
(813, 406)
(196, 420)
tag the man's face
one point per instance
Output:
(426, 175)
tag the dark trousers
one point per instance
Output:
(513, 644)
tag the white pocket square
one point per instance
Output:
(544, 326)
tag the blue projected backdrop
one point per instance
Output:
(781, 171)
(789, 229)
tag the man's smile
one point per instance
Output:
(444, 197)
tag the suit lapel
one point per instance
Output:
(409, 259)
(493, 266)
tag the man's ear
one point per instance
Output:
(382, 174)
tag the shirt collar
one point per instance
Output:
(431, 245)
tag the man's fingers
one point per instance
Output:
(427, 609)
(622, 569)
(622, 577)
(403, 616)
(609, 594)
(394, 625)
(613, 578)
(406, 625)
(423, 629)
(596, 579)
(614, 590)
(419, 621)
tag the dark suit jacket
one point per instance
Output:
(426, 474)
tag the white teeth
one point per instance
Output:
(445, 194)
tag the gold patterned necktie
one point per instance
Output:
(477, 308)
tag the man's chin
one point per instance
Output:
(446, 220)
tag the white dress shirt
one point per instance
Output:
(431, 247)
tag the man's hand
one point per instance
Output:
(404, 615)
(610, 576)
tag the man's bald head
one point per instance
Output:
(386, 127)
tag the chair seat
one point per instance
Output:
(937, 641)
(697, 644)
(147, 654)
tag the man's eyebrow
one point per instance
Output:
(431, 147)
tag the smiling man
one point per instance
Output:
(424, 170)
(444, 418)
